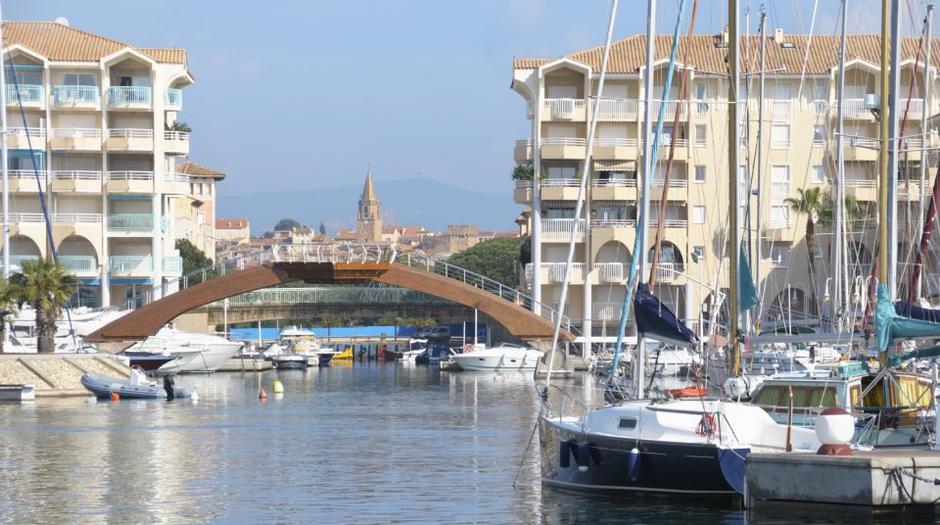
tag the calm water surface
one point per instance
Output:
(364, 444)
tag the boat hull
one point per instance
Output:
(290, 364)
(688, 468)
(147, 361)
(104, 387)
(474, 361)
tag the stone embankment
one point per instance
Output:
(58, 375)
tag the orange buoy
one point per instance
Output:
(115, 396)
(261, 393)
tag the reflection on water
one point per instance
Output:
(364, 444)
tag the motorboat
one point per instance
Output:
(290, 362)
(147, 361)
(416, 347)
(137, 387)
(674, 446)
(192, 352)
(17, 392)
(502, 357)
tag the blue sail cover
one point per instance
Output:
(654, 319)
(890, 326)
(916, 312)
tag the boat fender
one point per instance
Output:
(564, 454)
(115, 396)
(584, 456)
(262, 395)
(278, 387)
(633, 463)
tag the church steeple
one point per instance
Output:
(369, 217)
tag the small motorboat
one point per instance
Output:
(346, 353)
(290, 362)
(148, 360)
(137, 387)
(17, 392)
(503, 357)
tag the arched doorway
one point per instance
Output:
(78, 255)
(22, 248)
(788, 305)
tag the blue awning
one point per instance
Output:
(131, 280)
(89, 281)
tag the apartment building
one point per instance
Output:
(99, 119)
(195, 211)
(237, 231)
(797, 150)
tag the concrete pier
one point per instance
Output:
(58, 375)
(877, 481)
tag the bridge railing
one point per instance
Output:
(358, 295)
(347, 253)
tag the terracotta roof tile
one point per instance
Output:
(191, 168)
(629, 55)
(231, 224)
(63, 43)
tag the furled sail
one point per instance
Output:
(890, 326)
(747, 293)
(916, 312)
(656, 320)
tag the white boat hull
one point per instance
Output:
(500, 358)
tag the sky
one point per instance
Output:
(308, 94)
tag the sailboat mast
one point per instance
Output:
(890, 141)
(760, 154)
(648, 174)
(883, 191)
(924, 114)
(837, 302)
(4, 160)
(734, 146)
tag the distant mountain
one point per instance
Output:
(417, 201)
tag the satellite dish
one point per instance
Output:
(62, 21)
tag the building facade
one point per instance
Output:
(100, 120)
(797, 151)
(195, 211)
(236, 231)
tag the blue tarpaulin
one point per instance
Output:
(656, 320)
(890, 326)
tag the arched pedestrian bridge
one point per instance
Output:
(509, 307)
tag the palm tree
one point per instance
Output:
(47, 287)
(813, 204)
(7, 310)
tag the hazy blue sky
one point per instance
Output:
(305, 94)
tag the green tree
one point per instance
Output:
(322, 228)
(7, 309)
(180, 126)
(497, 259)
(193, 258)
(523, 172)
(813, 204)
(286, 225)
(47, 287)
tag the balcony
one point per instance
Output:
(560, 189)
(610, 273)
(80, 181)
(31, 96)
(130, 264)
(615, 109)
(18, 260)
(76, 139)
(606, 311)
(173, 264)
(614, 189)
(23, 138)
(130, 139)
(129, 97)
(522, 150)
(613, 223)
(28, 224)
(854, 109)
(563, 148)
(913, 108)
(861, 149)
(176, 183)
(522, 192)
(130, 182)
(911, 189)
(861, 189)
(173, 100)
(667, 223)
(616, 149)
(24, 181)
(667, 272)
(76, 218)
(561, 229)
(563, 109)
(554, 272)
(76, 97)
(130, 222)
(79, 264)
(670, 110)
(176, 142)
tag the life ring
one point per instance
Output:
(467, 348)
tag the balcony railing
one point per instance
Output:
(612, 223)
(563, 108)
(172, 264)
(130, 222)
(667, 272)
(26, 218)
(130, 175)
(127, 95)
(614, 183)
(174, 99)
(63, 95)
(24, 93)
(916, 106)
(607, 311)
(615, 109)
(611, 272)
(131, 264)
(668, 223)
(522, 184)
(561, 183)
(563, 141)
(37, 132)
(562, 228)
(780, 224)
(25, 174)
(674, 182)
(176, 135)
(76, 218)
(670, 108)
(556, 271)
(79, 263)
(85, 133)
(860, 183)
(131, 133)
(76, 175)
(181, 177)
(855, 108)
(18, 260)
(616, 142)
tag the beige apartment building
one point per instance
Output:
(797, 150)
(99, 116)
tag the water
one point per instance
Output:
(365, 444)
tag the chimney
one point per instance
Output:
(778, 36)
(724, 35)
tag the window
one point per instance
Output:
(699, 173)
(779, 256)
(819, 174)
(628, 423)
(781, 101)
(78, 79)
(559, 213)
(779, 190)
(701, 94)
(561, 172)
(819, 135)
(698, 214)
(701, 135)
(126, 81)
(698, 253)
(820, 91)
(780, 136)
